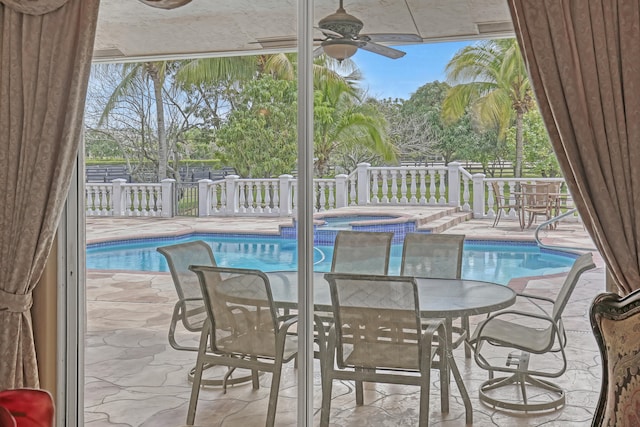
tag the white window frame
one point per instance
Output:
(72, 252)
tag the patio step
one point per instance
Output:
(443, 222)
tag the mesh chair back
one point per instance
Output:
(432, 255)
(377, 321)
(361, 252)
(179, 257)
(240, 306)
(580, 265)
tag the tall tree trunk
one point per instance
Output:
(153, 72)
(519, 143)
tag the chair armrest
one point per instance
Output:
(529, 296)
(290, 321)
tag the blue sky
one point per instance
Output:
(399, 78)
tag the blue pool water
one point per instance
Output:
(482, 260)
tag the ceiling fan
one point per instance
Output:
(343, 38)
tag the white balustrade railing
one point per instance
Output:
(436, 185)
(121, 199)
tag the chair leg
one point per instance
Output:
(497, 219)
(255, 382)
(423, 420)
(327, 384)
(197, 376)
(359, 393)
(273, 394)
(327, 378)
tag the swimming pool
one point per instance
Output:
(492, 261)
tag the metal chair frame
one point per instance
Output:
(527, 340)
(391, 326)
(189, 310)
(211, 353)
(441, 250)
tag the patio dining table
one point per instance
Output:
(438, 298)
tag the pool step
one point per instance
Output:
(443, 222)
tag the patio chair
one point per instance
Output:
(364, 252)
(536, 201)
(527, 333)
(189, 310)
(614, 321)
(437, 256)
(502, 204)
(242, 329)
(378, 336)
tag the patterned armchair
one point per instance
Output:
(615, 322)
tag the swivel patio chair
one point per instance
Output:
(364, 252)
(189, 310)
(527, 333)
(378, 336)
(437, 256)
(242, 329)
(614, 321)
(503, 205)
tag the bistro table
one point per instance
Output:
(439, 298)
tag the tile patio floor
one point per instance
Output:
(134, 378)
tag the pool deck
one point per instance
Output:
(134, 378)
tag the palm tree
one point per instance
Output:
(490, 78)
(340, 118)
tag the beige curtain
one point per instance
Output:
(45, 56)
(584, 62)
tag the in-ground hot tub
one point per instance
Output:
(327, 225)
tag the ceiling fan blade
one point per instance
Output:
(383, 50)
(329, 33)
(392, 38)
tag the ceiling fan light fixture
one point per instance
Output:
(165, 4)
(340, 49)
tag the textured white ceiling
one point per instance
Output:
(130, 30)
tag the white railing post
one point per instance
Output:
(478, 195)
(454, 183)
(342, 196)
(233, 204)
(168, 197)
(363, 183)
(204, 201)
(117, 197)
(285, 194)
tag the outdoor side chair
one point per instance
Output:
(536, 201)
(189, 310)
(378, 336)
(525, 333)
(363, 252)
(502, 204)
(437, 256)
(243, 329)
